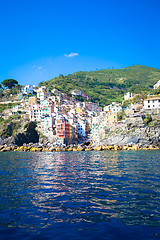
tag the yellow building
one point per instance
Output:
(78, 109)
(32, 100)
(70, 132)
(112, 118)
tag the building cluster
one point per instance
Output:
(62, 117)
(69, 120)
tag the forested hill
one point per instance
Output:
(105, 86)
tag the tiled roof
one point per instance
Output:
(153, 98)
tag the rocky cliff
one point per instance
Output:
(28, 136)
(142, 135)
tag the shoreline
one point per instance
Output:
(4, 148)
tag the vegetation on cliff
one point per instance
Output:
(10, 126)
(9, 83)
(105, 86)
(9, 88)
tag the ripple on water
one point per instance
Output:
(94, 195)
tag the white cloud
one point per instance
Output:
(39, 68)
(71, 55)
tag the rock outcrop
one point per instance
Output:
(140, 135)
(30, 135)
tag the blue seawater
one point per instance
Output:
(80, 195)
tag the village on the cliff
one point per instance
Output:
(65, 120)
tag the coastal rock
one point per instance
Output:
(79, 148)
(8, 149)
(116, 147)
(74, 149)
(98, 148)
(135, 147)
(105, 148)
(58, 149)
(52, 149)
(3, 150)
(1, 147)
(70, 149)
(88, 149)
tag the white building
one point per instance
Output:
(42, 93)
(17, 108)
(47, 102)
(47, 124)
(80, 104)
(114, 108)
(152, 103)
(157, 85)
(81, 128)
(55, 91)
(127, 96)
(27, 89)
(76, 92)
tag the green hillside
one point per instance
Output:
(105, 86)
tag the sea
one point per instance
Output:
(110, 195)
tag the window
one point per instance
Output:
(148, 106)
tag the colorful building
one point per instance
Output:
(32, 100)
(38, 110)
(63, 130)
(112, 118)
(47, 125)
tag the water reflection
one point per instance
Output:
(42, 189)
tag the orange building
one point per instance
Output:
(62, 130)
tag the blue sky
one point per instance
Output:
(41, 39)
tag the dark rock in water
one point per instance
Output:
(1, 147)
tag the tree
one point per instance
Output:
(0, 85)
(156, 91)
(147, 119)
(18, 87)
(9, 83)
(120, 115)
